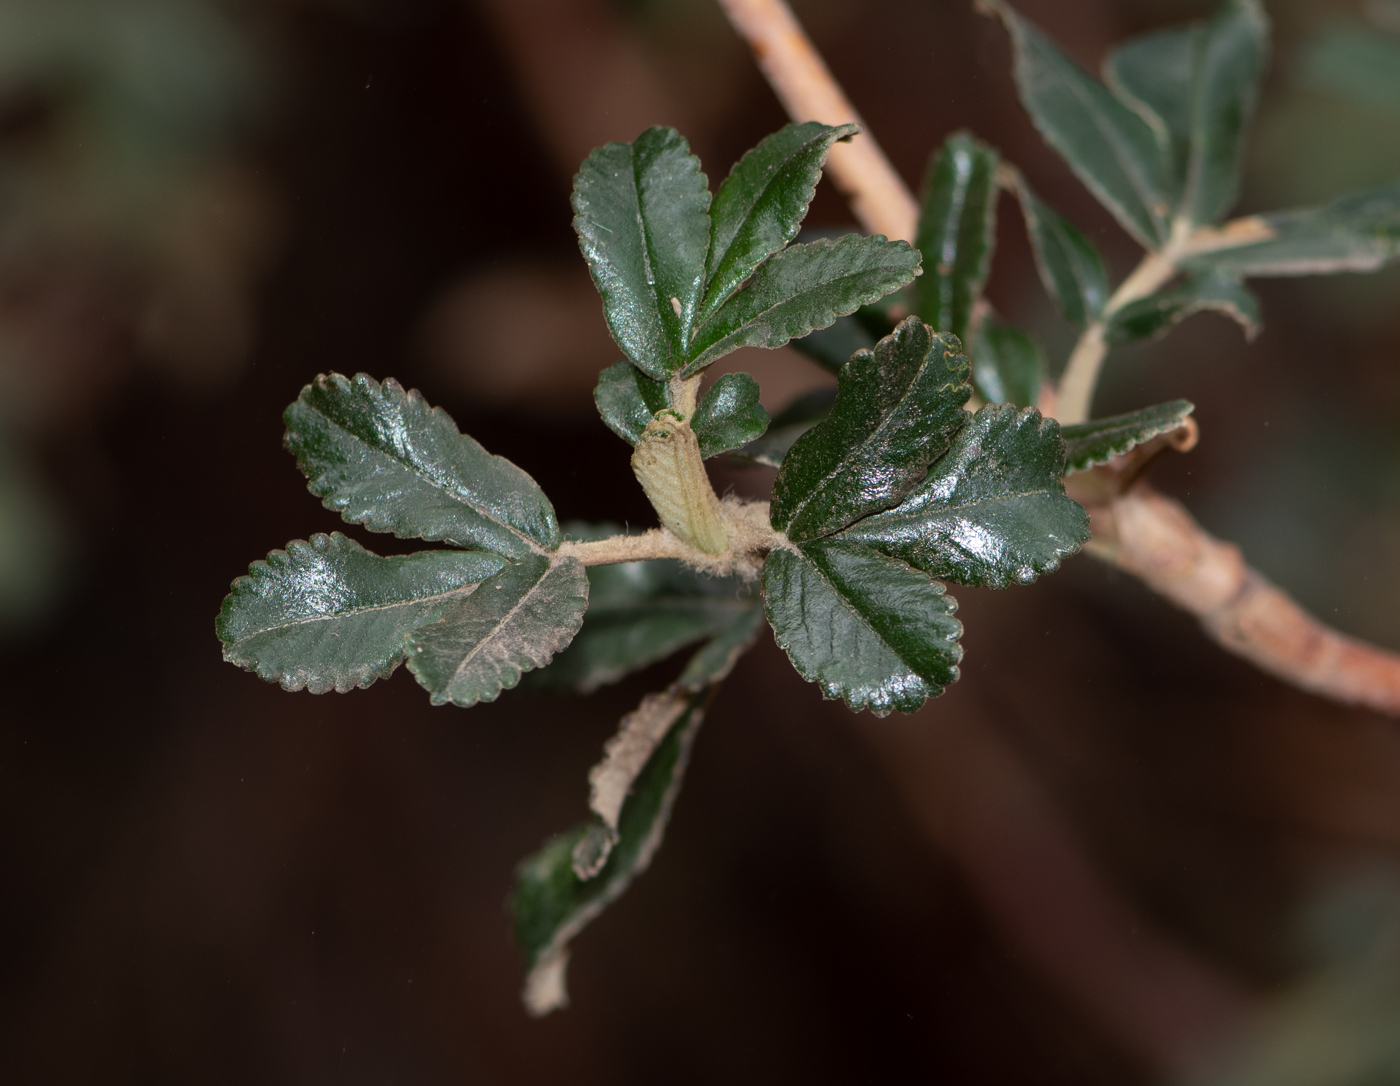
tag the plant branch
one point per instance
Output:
(799, 77)
(1143, 533)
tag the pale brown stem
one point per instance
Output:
(1150, 536)
(799, 77)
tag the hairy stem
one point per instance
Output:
(1163, 546)
(799, 77)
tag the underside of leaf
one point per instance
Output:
(1101, 440)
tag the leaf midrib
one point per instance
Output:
(355, 612)
(495, 630)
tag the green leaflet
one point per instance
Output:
(1107, 145)
(830, 347)
(865, 627)
(729, 415)
(627, 399)
(512, 623)
(641, 212)
(715, 659)
(802, 288)
(791, 423)
(552, 904)
(640, 613)
(383, 458)
(329, 615)
(1007, 365)
(1155, 315)
(992, 511)
(1229, 67)
(1069, 265)
(1099, 441)
(1153, 74)
(1197, 86)
(760, 205)
(957, 232)
(1359, 232)
(896, 409)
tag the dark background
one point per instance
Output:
(1110, 849)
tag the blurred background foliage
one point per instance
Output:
(1110, 854)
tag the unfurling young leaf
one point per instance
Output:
(1007, 365)
(512, 623)
(641, 211)
(381, 457)
(896, 409)
(957, 233)
(627, 400)
(329, 615)
(992, 512)
(865, 627)
(1100, 440)
(762, 202)
(729, 415)
(552, 903)
(1157, 314)
(1108, 145)
(1359, 232)
(1069, 265)
(802, 288)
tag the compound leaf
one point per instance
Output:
(1155, 315)
(896, 409)
(957, 232)
(1229, 65)
(1069, 265)
(1100, 440)
(1359, 232)
(627, 399)
(552, 903)
(865, 627)
(329, 615)
(381, 457)
(1107, 145)
(641, 212)
(1007, 365)
(729, 415)
(992, 511)
(804, 287)
(760, 205)
(512, 623)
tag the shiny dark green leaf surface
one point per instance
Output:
(551, 904)
(640, 613)
(641, 212)
(1108, 146)
(1069, 265)
(1359, 232)
(512, 623)
(1157, 314)
(993, 509)
(1100, 440)
(762, 202)
(326, 614)
(804, 287)
(865, 627)
(1007, 366)
(729, 415)
(896, 409)
(627, 399)
(957, 233)
(833, 346)
(788, 425)
(381, 457)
